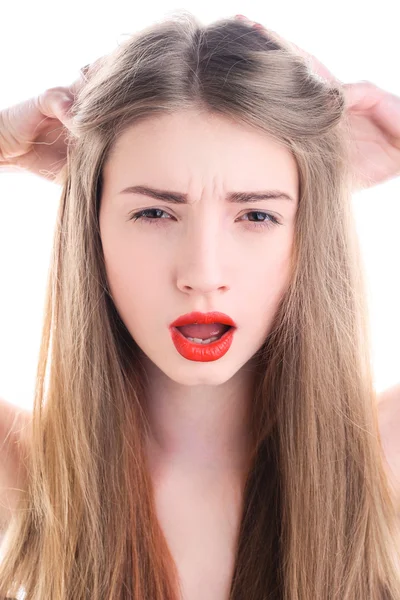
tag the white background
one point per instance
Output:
(44, 44)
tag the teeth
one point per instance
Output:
(200, 341)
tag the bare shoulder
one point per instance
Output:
(14, 420)
(389, 405)
(389, 425)
(391, 394)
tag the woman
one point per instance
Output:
(207, 172)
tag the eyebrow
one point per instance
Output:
(180, 198)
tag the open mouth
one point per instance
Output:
(202, 342)
(219, 328)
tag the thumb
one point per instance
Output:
(65, 105)
(56, 103)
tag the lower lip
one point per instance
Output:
(202, 352)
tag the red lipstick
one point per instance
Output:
(197, 351)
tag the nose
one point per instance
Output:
(202, 264)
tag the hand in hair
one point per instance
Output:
(34, 133)
(373, 115)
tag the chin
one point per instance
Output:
(197, 373)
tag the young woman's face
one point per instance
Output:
(207, 254)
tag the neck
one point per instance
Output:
(201, 428)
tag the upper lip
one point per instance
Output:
(207, 318)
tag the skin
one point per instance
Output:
(205, 255)
(375, 153)
(197, 466)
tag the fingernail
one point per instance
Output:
(259, 26)
(241, 18)
(66, 102)
(84, 70)
(66, 97)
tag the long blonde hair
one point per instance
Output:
(318, 520)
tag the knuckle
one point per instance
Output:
(55, 90)
(368, 83)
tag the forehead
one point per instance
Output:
(195, 146)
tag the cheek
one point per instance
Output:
(261, 293)
(134, 280)
(269, 275)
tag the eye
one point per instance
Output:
(267, 220)
(141, 215)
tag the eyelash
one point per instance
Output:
(271, 222)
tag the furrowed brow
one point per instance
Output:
(179, 198)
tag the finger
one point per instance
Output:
(84, 70)
(77, 84)
(314, 63)
(84, 76)
(388, 114)
(383, 106)
(54, 103)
